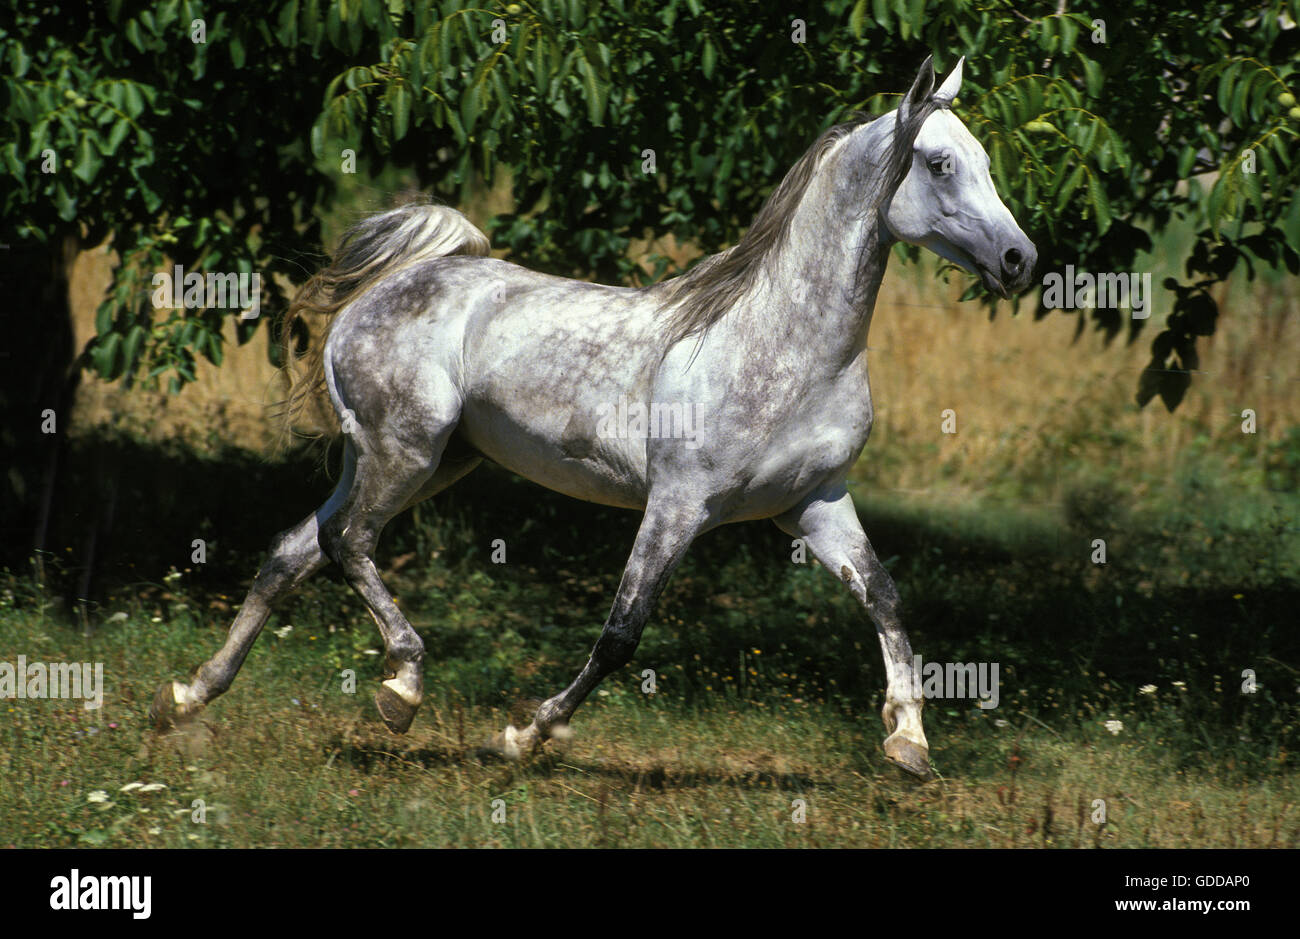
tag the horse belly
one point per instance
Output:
(560, 452)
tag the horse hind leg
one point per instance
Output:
(390, 477)
(295, 555)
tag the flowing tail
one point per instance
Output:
(370, 250)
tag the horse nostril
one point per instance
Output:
(1013, 260)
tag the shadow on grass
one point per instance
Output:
(1072, 638)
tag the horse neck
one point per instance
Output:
(825, 276)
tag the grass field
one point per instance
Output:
(769, 685)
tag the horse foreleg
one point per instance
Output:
(666, 531)
(829, 526)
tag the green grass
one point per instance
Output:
(288, 760)
(769, 685)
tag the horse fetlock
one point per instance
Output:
(174, 703)
(549, 715)
(408, 667)
(903, 716)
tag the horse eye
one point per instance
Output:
(937, 167)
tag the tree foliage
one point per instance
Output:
(1101, 123)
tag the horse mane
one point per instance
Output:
(697, 299)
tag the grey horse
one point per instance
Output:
(735, 391)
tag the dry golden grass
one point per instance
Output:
(1030, 394)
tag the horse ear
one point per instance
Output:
(951, 85)
(921, 89)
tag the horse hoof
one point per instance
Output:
(909, 757)
(394, 711)
(171, 706)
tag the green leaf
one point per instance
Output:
(1266, 159)
(1071, 183)
(104, 356)
(1226, 78)
(541, 65)
(287, 26)
(858, 19)
(1092, 77)
(594, 53)
(597, 92)
(215, 348)
(1099, 203)
(132, 99)
(1088, 138)
(64, 204)
(904, 21)
(1250, 183)
(1069, 33)
(22, 61)
(104, 318)
(1047, 34)
(470, 104)
(117, 135)
(318, 135)
(457, 128)
(1238, 104)
(88, 161)
(133, 35)
(152, 201)
(399, 103)
(444, 29)
(131, 347)
(708, 59)
(880, 13)
(311, 23)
